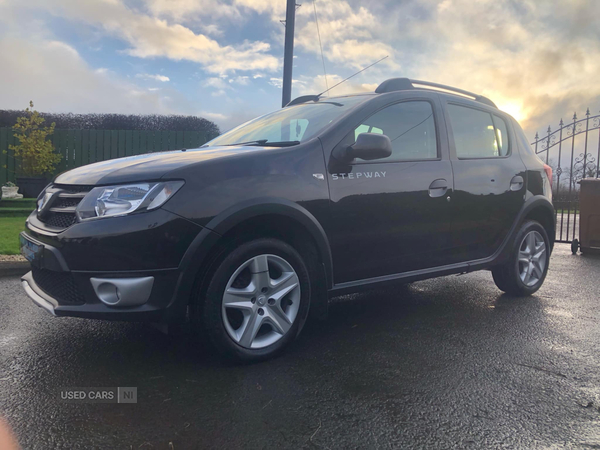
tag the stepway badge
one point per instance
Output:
(99, 395)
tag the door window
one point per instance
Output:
(478, 134)
(366, 129)
(409, 125)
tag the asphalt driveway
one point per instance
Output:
(445, 363)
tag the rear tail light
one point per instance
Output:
(548, 171)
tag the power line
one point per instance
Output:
(411, 128)
(353, 75)
(320, 44)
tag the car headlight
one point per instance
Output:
(111, 201)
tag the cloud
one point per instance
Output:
(213, 116)
(534, 60)
(191, 10)
(219, 85)
(348, 32)
(537, 60)
(56, 78)
(216, 82)
(212, 29)
(147, 76)
(277, 82)
(359, 54)
(275, 8)
(316, 85)
(241, 79)
(150, 37)
(349, 35)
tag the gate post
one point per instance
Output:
(548, 144)
(558, 174)
(571, 175)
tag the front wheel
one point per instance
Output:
(256, 301)
(527, 266)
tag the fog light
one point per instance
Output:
(108, 293)
(123, 291)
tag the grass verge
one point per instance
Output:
(10, 227)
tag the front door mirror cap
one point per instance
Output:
(368, 146)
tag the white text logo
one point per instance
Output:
(357, 175)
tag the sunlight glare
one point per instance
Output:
(514, 109)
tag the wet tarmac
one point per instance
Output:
(445, 363)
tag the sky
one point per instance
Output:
(223, 60)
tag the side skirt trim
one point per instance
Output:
(407, 277)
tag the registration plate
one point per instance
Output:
(30, 250)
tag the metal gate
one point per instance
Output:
(573, 152)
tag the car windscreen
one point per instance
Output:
(294, 123)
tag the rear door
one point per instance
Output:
(489, 187)
(391, 215)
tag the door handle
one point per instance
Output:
(516, 184)
(438, 188)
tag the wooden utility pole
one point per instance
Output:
(288, 55)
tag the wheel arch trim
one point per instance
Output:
(539, 202)
(256, 207)
(534, 202)
(198, 251)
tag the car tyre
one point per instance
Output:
(525, 270)
(575, 246)
(261, 288)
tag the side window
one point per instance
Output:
(501, 136)
(477, 134)
(366, 129)
(409, 125)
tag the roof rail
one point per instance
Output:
(404, 84)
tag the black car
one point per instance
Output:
(326, 196)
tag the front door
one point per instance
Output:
(392, 215)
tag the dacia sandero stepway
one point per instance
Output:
(249, 233)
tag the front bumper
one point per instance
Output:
(156, 309)
(40, 299)
(69, 277)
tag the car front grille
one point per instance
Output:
(58, 285)
(60, 220)
(62, 202)
(61, 212)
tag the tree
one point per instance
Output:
(35, 151)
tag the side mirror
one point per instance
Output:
(368, 146)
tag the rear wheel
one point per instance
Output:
(527, 266)
(256, 301)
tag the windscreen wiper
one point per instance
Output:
(280, 144)
(266, 143)
(259, 142)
